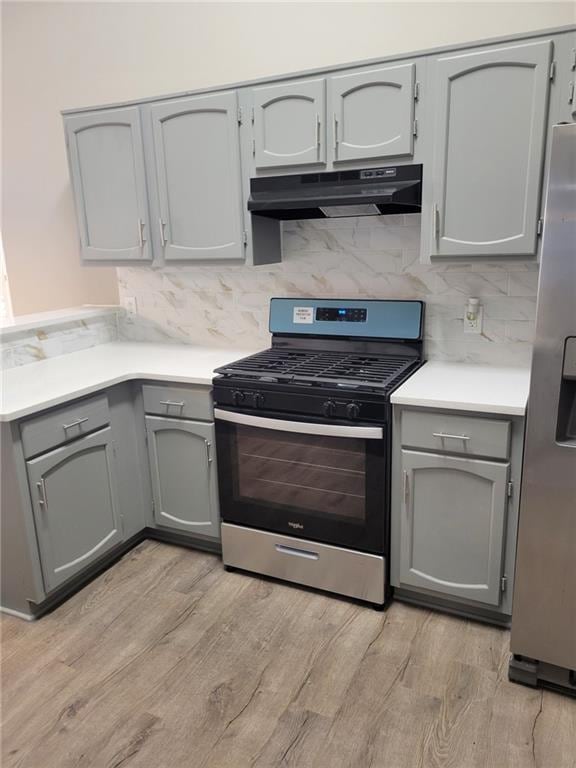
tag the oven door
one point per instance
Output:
(325, 482)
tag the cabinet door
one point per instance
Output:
(75, 508)
(183, 474)
(289, 124)
(565, 55)
(452, 525)
(373, 113)
(107, 169)
(492, 109)
(197, 160)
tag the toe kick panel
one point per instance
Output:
(322, 566)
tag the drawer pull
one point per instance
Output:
(443, 435)
(76, 423)
(284, 550)
(172, 403)
(42, 494)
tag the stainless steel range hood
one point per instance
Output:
(369, 192)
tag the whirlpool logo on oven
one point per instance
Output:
(297, 526)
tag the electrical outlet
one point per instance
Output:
(474, 325)
(130, 305)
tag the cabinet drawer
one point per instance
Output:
(456, 434)
(178, 402)
(323, 566)
(61, 425)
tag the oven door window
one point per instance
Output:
(320, 487)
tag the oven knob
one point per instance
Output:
(259, 400)
(237, 397)
(352, 410)
(329, 408)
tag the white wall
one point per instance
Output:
(61, 55)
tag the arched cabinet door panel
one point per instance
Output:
(491, 113)
(452, 525)
(184, 486)
(289, 124)
(372, 113)
(108, 178)
(197, 163)
(74, 497)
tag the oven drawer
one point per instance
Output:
(322, 566)
(446, 432)
(178, 402)
(60, 425)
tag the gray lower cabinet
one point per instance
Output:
(196, 160)
(452, 525)
(289, 124)
(74, 499)
(184, 482)
(489, 143)
(372, 113)
(106, 159)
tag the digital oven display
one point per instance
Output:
(341, 314)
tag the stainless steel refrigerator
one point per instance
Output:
(543, 640)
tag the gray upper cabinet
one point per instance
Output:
(452, 526)
(108, 178)
(197, 164)
(565, 55)
(73, 492)
(372, 113)
(289, 124)
(491, 114)
(183, 474)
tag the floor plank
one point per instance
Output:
(166, 660)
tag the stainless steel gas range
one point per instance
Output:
(303, 435)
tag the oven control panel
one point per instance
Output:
(390, 319)
(341, 314)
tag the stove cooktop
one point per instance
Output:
(322, 368)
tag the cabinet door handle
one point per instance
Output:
(162, 225)
(173, 403)
(75, 423)
(141, 237)
(443, 435)
(318, 124)
(42, 494)
(208, 451)
(406, 489)
(335, 133)
(435, 222)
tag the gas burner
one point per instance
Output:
(322, 368)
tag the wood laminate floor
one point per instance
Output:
(168, 661)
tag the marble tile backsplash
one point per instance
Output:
(40, 343)
(373, 257)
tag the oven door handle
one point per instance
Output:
(301, 427)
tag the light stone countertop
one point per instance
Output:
(14, 326)
(27, 389)
(466, 387)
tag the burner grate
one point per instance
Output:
(321, 367)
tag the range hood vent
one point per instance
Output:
(370, 192)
